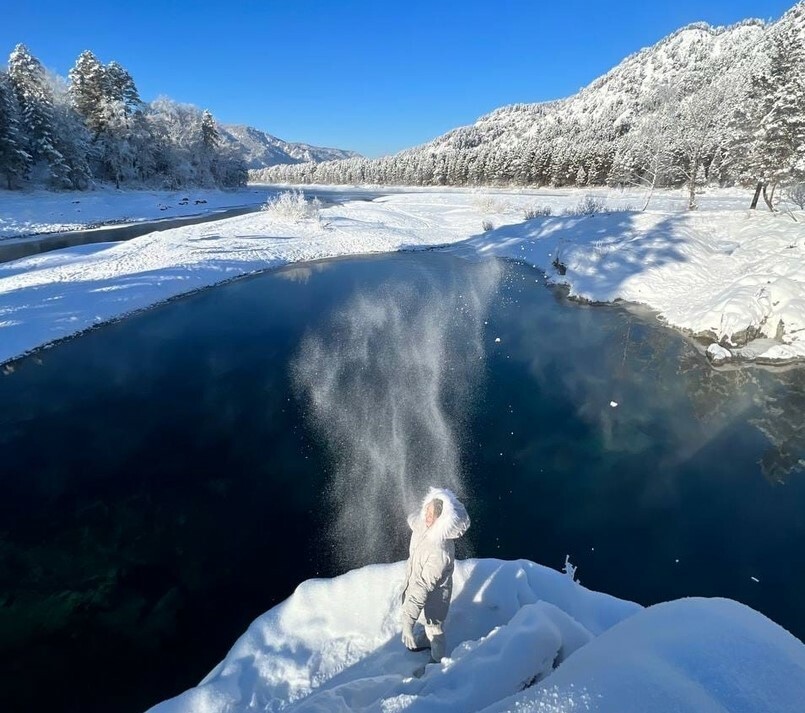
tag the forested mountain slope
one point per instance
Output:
(259, 149)
(706, 104)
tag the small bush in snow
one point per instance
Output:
(487, 225)
(537, 211)
(589, 205)
(795, 193)
(292, 205)
(489, 204)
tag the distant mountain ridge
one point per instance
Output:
(703, 105)
(259, 149)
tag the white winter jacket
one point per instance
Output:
(431, 559)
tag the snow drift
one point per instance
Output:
(521, 637)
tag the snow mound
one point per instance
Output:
(718, 354)
(521, 637)
(702, 655)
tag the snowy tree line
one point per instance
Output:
(723, 106)
(93, 126)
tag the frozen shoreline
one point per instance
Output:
(719, 273)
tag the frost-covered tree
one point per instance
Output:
(173, 130)
(71, 135)
(781, 129)
(95, 126)
(107, 99)
(93, 85)
(767, 138)
(120, 87)
(35, 100)
(113, 144)
(210, 138)
(644, 153)
(14, 160)
(89, 89)
(183, 157)
(231, 171)
(697, 123)
(207, 157)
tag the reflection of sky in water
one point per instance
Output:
(160, 487)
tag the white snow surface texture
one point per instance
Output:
(721, 271)
(521, 637)
(41, 211)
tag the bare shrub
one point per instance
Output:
(293, 206)
(486, 203)
(589, 205)
(537, 211)
(795, 193)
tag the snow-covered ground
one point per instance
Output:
(35, 212)
(521, 637)
(721, 272)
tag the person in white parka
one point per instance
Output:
(440, 521)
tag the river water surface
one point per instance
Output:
(165, 479)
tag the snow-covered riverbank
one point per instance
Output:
(729, 277)
(720, 272)
(521, 637)
(41, 212)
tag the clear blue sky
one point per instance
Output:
(374, 77)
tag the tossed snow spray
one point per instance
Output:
(388, 384)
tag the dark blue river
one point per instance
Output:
(162, 481)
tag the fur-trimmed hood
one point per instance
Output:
(452, 523)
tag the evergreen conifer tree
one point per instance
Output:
(14, 160)
(209, 131)
(35, 100)
(89, 90)
(120, 87)
(783, 125)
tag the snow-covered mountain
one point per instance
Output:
(260, 149)
(608, 105)
(703, 104)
